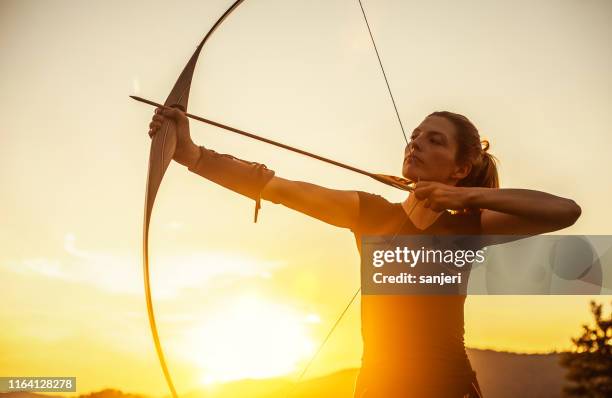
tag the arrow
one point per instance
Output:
(396, 182)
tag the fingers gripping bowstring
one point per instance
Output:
(382, 68)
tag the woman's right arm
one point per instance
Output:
(333, 206)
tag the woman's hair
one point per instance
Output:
(470, 149)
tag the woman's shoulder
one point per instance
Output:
(368, 198)
(369, 202)
(376, 213)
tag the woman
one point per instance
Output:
(413, 344)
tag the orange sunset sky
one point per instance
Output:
(241, 300)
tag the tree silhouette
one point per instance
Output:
(589, 365)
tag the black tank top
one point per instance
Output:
(411, 341)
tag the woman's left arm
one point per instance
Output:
(521, 211)
(504, 211)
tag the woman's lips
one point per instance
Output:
(412, 159)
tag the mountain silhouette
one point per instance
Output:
(500, 374)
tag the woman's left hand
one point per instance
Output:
(439, 197)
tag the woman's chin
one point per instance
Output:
(412, 172)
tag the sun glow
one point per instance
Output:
(251, 339)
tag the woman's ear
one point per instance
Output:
(462, 171)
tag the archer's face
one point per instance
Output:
(431, 153)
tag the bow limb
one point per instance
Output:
(162, 150)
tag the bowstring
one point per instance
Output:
(344, 311)
(382, 68)
(357, 292)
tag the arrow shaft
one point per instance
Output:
(378, 177)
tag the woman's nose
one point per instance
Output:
(413, 146)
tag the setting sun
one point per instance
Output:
(251, 339)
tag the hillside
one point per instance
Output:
(500, 374)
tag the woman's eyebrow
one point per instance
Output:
(429, 131)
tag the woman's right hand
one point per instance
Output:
(187, 152)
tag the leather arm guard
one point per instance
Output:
(246, 178)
